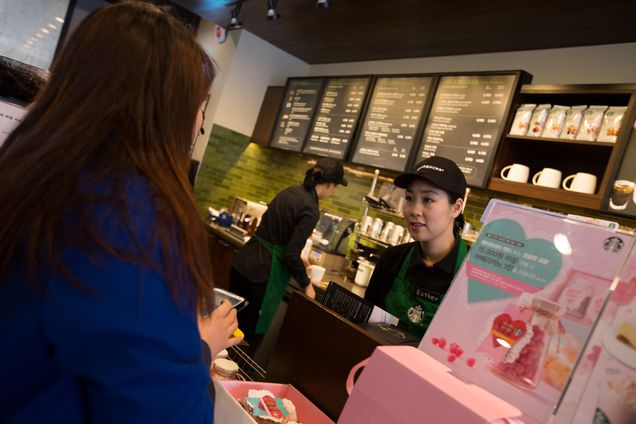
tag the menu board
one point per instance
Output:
(337, 116)
(622, 196)
(296, 113)
(391, 122)
(466, 120)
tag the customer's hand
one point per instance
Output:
(309, 290)
(217, 328)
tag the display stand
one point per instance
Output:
(603, 385)
(524, 303)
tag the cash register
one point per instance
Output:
(330, 242)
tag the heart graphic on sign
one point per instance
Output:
(506, 331)
(503, 263)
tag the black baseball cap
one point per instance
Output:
(441, 172)
(331, 171)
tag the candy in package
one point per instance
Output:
(592, 119)
(554, 123)
(572, 122)
(537, 122)
(522, 119)
(611, 124)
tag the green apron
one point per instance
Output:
(276, 285)
(414, 311)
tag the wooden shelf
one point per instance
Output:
(383, 210)
(372, 242)
(560, 140)
(590, 201)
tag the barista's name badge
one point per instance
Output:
(428, 295)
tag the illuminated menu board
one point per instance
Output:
(389, 129)
(296, 113)
(337, 116)
(466, 120)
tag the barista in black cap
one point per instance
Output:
(410, 280)
(262, 268)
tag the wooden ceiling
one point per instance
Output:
(357, 30)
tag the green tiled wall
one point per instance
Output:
(234, 167)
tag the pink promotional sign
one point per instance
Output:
(603, 387)
(524, 303)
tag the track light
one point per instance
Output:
(272, 12)
(234, 20)
(323, 3)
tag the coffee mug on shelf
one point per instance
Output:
(580, 182)
(396, 235)
(516, 172)
(366, 224)
(547, 177)
(384, 236)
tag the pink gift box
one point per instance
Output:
(227, 410)
(401, 384)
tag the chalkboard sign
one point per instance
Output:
(296, 113)
(392, 121)
(622, 192)
(466, 121)
(337, 116)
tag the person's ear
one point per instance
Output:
(457, 207)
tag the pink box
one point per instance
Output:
(227, 410)
(402, 384)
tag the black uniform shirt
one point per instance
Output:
(289, 221)
(430, 282)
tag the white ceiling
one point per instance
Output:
(30, 29)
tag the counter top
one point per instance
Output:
(226, 235)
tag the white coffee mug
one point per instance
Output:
(516, 172)
(547, 177)
(396, 235)
(315, 273)
(376, 228)
(580, 182)
(365, 225)
(386, 231)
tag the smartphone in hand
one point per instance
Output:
(235, 300)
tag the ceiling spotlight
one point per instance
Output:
(323, 3)
(60, 20)
(272, 12)
(234, 20)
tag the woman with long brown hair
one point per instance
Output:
(103, 260)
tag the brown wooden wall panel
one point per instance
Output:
(267, 116)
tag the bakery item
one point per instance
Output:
(265, 408)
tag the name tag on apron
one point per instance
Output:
(428, 295)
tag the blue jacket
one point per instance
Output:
(117, 350)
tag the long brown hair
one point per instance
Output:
(122, 98)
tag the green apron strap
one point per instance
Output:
(405, 264)
(276, 285)
(402, 301)
(462, 250)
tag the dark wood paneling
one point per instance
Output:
(315, 351)
(356, 30)
(267, 115)
(221, 258)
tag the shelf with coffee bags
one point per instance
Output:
(569, 133)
